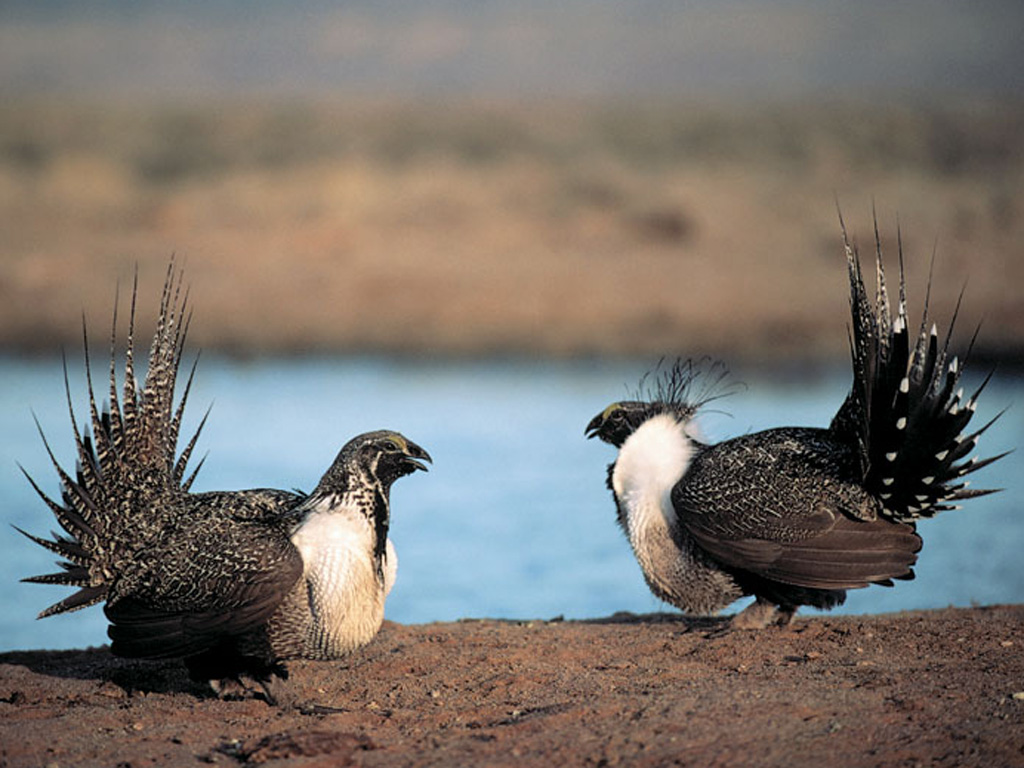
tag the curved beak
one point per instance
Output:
(594, 427)
(597, 423)
(414, 452)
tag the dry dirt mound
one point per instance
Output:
(935, 688)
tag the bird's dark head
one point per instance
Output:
(389, 455)
(619, 420)
(382, 456)
(680, 390)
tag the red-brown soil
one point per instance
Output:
(940, 688)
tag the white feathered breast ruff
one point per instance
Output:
(346, 595)
(651, 461)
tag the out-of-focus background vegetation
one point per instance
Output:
(518, 177)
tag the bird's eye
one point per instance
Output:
(391, 445)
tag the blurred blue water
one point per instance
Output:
(513, 519)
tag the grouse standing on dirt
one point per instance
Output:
(795, 516)
(234, 582)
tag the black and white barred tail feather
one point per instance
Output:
(127, 461)
(906, 411)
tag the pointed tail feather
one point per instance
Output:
(906, 411)
(127, 465)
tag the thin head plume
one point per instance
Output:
(687, 385)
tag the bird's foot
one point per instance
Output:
(267, 685)
(231, 689)
(784, 618)
(759, 614)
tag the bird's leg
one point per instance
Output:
(229, 688)
(246, 687)
(757, 615)
(785, 615)
(265, 683)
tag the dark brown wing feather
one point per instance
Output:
(780, 504)
(212, 578)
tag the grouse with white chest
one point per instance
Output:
(796, 516)
(233, 582)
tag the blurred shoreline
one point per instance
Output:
(507, 227)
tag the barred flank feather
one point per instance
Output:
(128, 465)
(906, 411)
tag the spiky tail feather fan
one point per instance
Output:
(128, 465)
(906, 410)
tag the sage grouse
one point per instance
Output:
(234, 582)
(795, 516)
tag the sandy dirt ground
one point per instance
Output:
(940, 688)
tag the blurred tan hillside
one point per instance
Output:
(504, 226)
